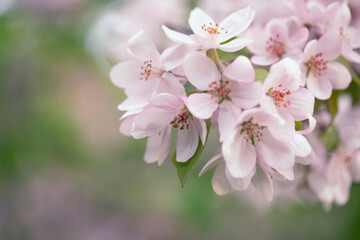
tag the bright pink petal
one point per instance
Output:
(158, 147)
(201, 105)
(141, 47)
(187, 142)
(240, 70)
(301, 104)
(176, 36)
(339, 75)
(235, 45)
(263, 183)
(239, 155)
(274, 153)
(321, 87)
(201, 71)
(236, 23)
(197, 19)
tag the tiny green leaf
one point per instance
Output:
(332, 103)
(298, 126)
(184, 169)
(230, 56)
(260, 74)
(188, 87)
(330, 138)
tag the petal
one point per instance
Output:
(339, 75)
(240, 70)
(125, 73)
(300, 146)
(320, 86)
(201, 105)
(301, 104)
(298, 39)
(227, 118)
(166, 102)
(330, 46)
(239, 155)
(263, 183)
(219, 181)
(197, 19)
(278, 29)
(153, 118)
(187, 143)
(284, 74)
(174, 56)
(202, 41)
(158, 147)
(142, 48)
(176, 36)
(236, 23)
(126, 125)
(132, 103)
(264, 60)
(312, 124)
(235, 45)
(201, 71)
(274, 153)
(239, 183)
(246, 95)
(171, 85)
(210, 164)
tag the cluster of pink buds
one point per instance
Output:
(281, 94)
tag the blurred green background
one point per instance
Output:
(67, 173)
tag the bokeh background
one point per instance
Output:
(67, 173)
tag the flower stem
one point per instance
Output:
(212, 53)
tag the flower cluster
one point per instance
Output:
(275, 92)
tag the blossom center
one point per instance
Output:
(220, 91)
(251, 130)
(275, 46)
(181, 121)
(316, 65)
(343, 33)
(278, 95)
(149, 71)
(213, 29)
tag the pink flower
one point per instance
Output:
(229, 92)
(166, 111)
(222, 180)
(313, 12)
(347, 123)
(149, 72)
(259, 143)
(208, 34)
(276, 42)
(319, 70)
(350, 36)
(283, 93)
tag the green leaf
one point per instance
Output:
(184, 169)
(230, 56)
(298, 126)
(260, 74)
(332, 103)
(188, 87)
(330, 138)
